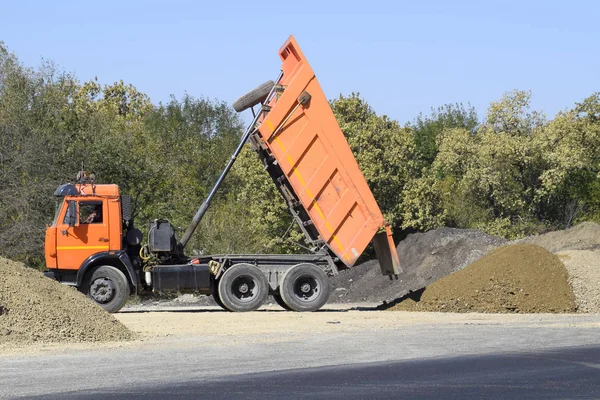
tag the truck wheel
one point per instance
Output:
(109, 288)
(279, 300)
(304, 287)
(216, 297)
(218, 300)
(252, 98)
(243, 287)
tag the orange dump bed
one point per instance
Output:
(299, 129)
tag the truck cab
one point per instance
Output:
(88, 221)
(87, 232)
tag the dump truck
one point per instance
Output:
(94, 245)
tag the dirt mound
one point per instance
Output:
(584, 276)
(35, 308)
(522, 278)
(585, 236)
(424, 257)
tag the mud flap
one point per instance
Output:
(386, 253)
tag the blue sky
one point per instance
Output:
(403, 57)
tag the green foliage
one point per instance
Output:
(422, 204)
(488, 178)
(516, 174)
(385, 152)
(32, 105)
(426, 129)
(186, 143)
(570, 148)
(512, 114)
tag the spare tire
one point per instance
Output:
(253, 97)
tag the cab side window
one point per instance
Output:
(90, 212)
(67, 216)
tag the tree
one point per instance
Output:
(486, 178)
(426, 129)
(570, 147)
(384, 150)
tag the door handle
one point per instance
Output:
(104, 239)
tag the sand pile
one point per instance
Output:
(35, 308)
(517, 278)
(425, 258)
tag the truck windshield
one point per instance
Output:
(57, 207)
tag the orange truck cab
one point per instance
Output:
(87, 232)
(94, 245)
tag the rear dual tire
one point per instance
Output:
(242, 288)
(304, 288)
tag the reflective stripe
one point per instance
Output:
(82, 248)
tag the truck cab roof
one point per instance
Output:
(86, 189)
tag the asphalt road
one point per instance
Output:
(349, 354)
(564, 373)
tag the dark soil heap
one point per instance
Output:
(520, 278)
(36, 308)
(424, 258)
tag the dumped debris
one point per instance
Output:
(424, 257)
(520, 278)
(35, 308)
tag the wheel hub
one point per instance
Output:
(243, 288)
(305, 287)
(102, 290)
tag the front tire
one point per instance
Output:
(108, 287)
(243, 287)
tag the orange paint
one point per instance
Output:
(67, 246)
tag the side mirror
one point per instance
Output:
(72, 213)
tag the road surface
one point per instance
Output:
(338, 351)
(565, 373)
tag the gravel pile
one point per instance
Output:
(584, 276)
(35, 308)
(424, 257)
(585, 236)
(427, 257)
(520, 278)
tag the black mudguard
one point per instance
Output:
(119, 258)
